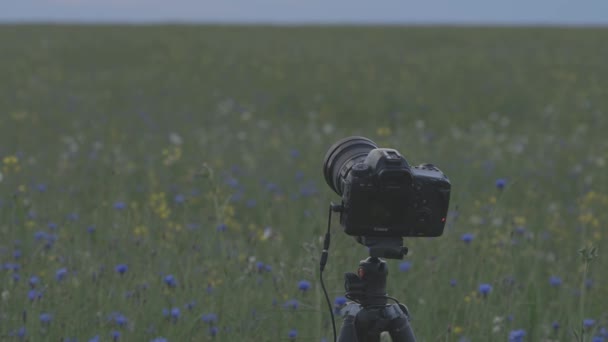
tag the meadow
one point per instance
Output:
(163, 183)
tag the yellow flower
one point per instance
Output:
(383, 131)
(458, 330)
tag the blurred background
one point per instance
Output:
(160, 165)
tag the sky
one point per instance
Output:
(526, 12)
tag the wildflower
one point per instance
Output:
(120, 205)
(17, 254)
(61, 274)
(339, 301)
(159, 339)
(292, 303)
(175, 313)
(221, 227)
(190, 305)
(121, 268)
(259, 266)
(453, 282)
(34, 281)
(485, 289)
(91, 229)
(213, 331)
(41, 187)
(501, 183)
(170, 280)
(19, 333)
(517, 335)
(95, 339)
(32, 295)
(555, 326)
(209, 318)
(115, 335)
(597, 339)
(405, 266)
(467, 238)
(555, 281)
(45, 318)
(120, 319)
(588, 322)
(303, 285)
(293, 333)
(179, 199)
(294, 153)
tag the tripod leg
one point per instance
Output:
(401, 331)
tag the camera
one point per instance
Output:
(383, 197)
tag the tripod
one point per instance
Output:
(369, 314)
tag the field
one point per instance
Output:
(165, 182)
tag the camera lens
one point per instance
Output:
(341, 156)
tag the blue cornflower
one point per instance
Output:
(179, 199)
(19, 333)
(293, 333)
(485, 289)
(294, 153)
(175, 313)
(555, 326)
(120, 205)
(72, 217)
(170, 280)
(453, 282)
(40, 235)
(501, 183)
(259, 266)
(555, 281)
(32, 295)
(597, 339)
(221, 227)
(588, 322)
(190, 305)
(121, 268)
(34, 280)
(405, 266)
(304, 285)
(91, 229)
(213, 331)
(95, 339)
(120, 319)
(41, 187)
(17, 254)
(61, 273)
(292, 303)
(45, 318)
(339, 301)
(467, 238)
(209, 318)
(251, 203)
(159, 339)
(517, 335)
(115, 335)
(52, 225)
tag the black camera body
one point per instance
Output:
(382, 195)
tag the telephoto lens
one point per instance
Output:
(341, 157)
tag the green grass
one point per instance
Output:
(92, 116)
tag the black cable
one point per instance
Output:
(322, 264)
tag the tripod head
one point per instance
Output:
(368, 285)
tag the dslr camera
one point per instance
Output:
(384, 198)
